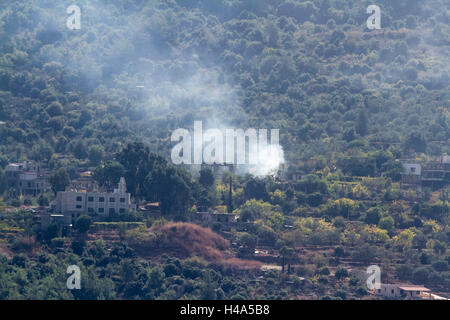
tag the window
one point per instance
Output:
(91, 210)
(78, 206)
(101, 199)
(101, 209)
(78, 198)
(112, 199)
(111, 211)
(90, 199)
(121, 210)
(122, 200)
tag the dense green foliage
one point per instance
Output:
(311, 69)
(348, 101)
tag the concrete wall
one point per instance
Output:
(389, 290)
(412, 168)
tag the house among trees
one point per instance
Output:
(434, 175)
(150, 209)
(399, 291)
(85, 181)
(45, 218)
(411, 175)
(25, 178)
(209, 217)
(71, 204)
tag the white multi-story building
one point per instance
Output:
(74, 203)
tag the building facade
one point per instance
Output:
(434, 175)
(411, 175)
(74, 203)
(398, 291)
(25, 179)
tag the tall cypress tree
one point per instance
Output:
(362, 123)
(230, 197)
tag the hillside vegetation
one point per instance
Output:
(349, 103)
(311, 69)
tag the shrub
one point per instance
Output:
(339, 251)
(360, 292)
(404, 272)
(170, 270)
(440, 265)
(19, 261)
(314, 199)
(373, 216)
(341, 294)
(324, 271)
(421, 275)
(57, 242)
(83, 223)
(341, 273)
(322, 279)
(386, 223)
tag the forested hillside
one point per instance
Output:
(311, 69)
(363, 118)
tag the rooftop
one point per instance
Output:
(414, 288)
